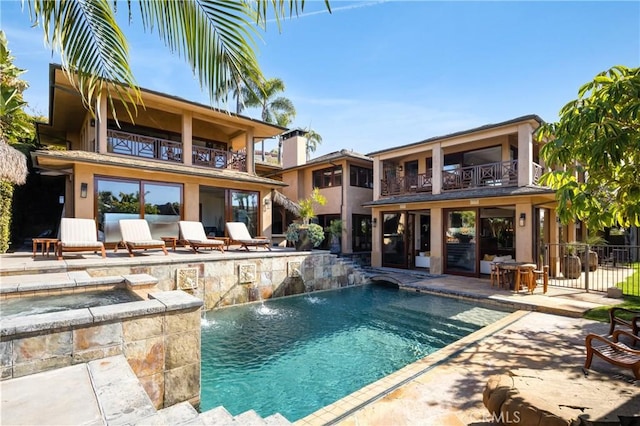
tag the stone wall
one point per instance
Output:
(240, 277)
(160, 339)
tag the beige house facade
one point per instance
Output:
(344, 177)
(454, 203)
(174, 160)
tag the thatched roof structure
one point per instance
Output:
(13, 164)
(285, 202)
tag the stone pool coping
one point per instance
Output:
(164, 301)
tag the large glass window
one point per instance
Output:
(461, 241)
(326, 178)
(124, 199)
(244, 208)
(362, 177)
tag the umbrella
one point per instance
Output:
(13, 164)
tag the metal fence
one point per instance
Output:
(594, 268)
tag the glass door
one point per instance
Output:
(460, 244)
(394, 240)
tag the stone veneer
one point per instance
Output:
(159, 337)
(220, 282)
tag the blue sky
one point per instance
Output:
(376, 74)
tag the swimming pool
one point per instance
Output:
(298, 354)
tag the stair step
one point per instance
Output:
(120, 395)
(277, 419)
(249, 418)
(218, 416)
(140, 280)
(55, 280)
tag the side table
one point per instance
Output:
(225, 240)
(170, 241)
(45, 244)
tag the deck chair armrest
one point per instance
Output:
(634, 339)
(616, 310)
(591, 337)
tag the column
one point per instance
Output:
(436, 174)
(525, 154)
(187, 138)
(437, 246)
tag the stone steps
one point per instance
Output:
(105, 391)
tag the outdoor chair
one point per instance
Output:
(193, 233)
(498, 276)
(613, 351)
(542, 274)
(78, 235)
(239, 233)
(137, 236)
(633, 323)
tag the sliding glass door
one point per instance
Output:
(460, 243)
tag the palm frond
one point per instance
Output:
(93, 49)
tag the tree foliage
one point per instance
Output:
(263, 94)
(596, 148)
(313, 140)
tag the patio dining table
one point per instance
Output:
(515, 268)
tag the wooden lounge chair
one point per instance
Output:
(613, 351)
(78, 235)
(633, 322)
(193, 233)
(239, 233)
(137, 236)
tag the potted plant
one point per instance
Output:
(572, 266)
(335, 232)
(307, 235)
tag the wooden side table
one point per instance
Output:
(44, 244)
(170, 241)
(225, 240)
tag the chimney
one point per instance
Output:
(294, 148)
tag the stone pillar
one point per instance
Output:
(101, 124)
(524, 233)
(187, 138)
(437, 243)
(525, 154)
(251, 161)
(436, 176)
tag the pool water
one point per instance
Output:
(23, 306)
(296, 355)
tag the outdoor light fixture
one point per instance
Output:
(83, 190)
(523, 217)
(374, 222)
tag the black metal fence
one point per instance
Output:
(594, 268)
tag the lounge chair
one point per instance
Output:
(193, 233)
(239, 233)
(78, 235)
(137, 236)
(613, 351)
(633, 322)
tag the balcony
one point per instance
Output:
(141, 146)
(503, 173)
(407, 184)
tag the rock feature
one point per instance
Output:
(536, 397)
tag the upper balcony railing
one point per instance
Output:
(407, 184)
(504, 173)
(125, 143)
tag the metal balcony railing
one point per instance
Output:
(502, 173)
(135, 145)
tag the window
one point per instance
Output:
(361, 177)
(159, 203)
(326, 178)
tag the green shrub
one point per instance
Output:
(316, 234)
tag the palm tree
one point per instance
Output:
(215, 37)
(274, 109)
(313, 140)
